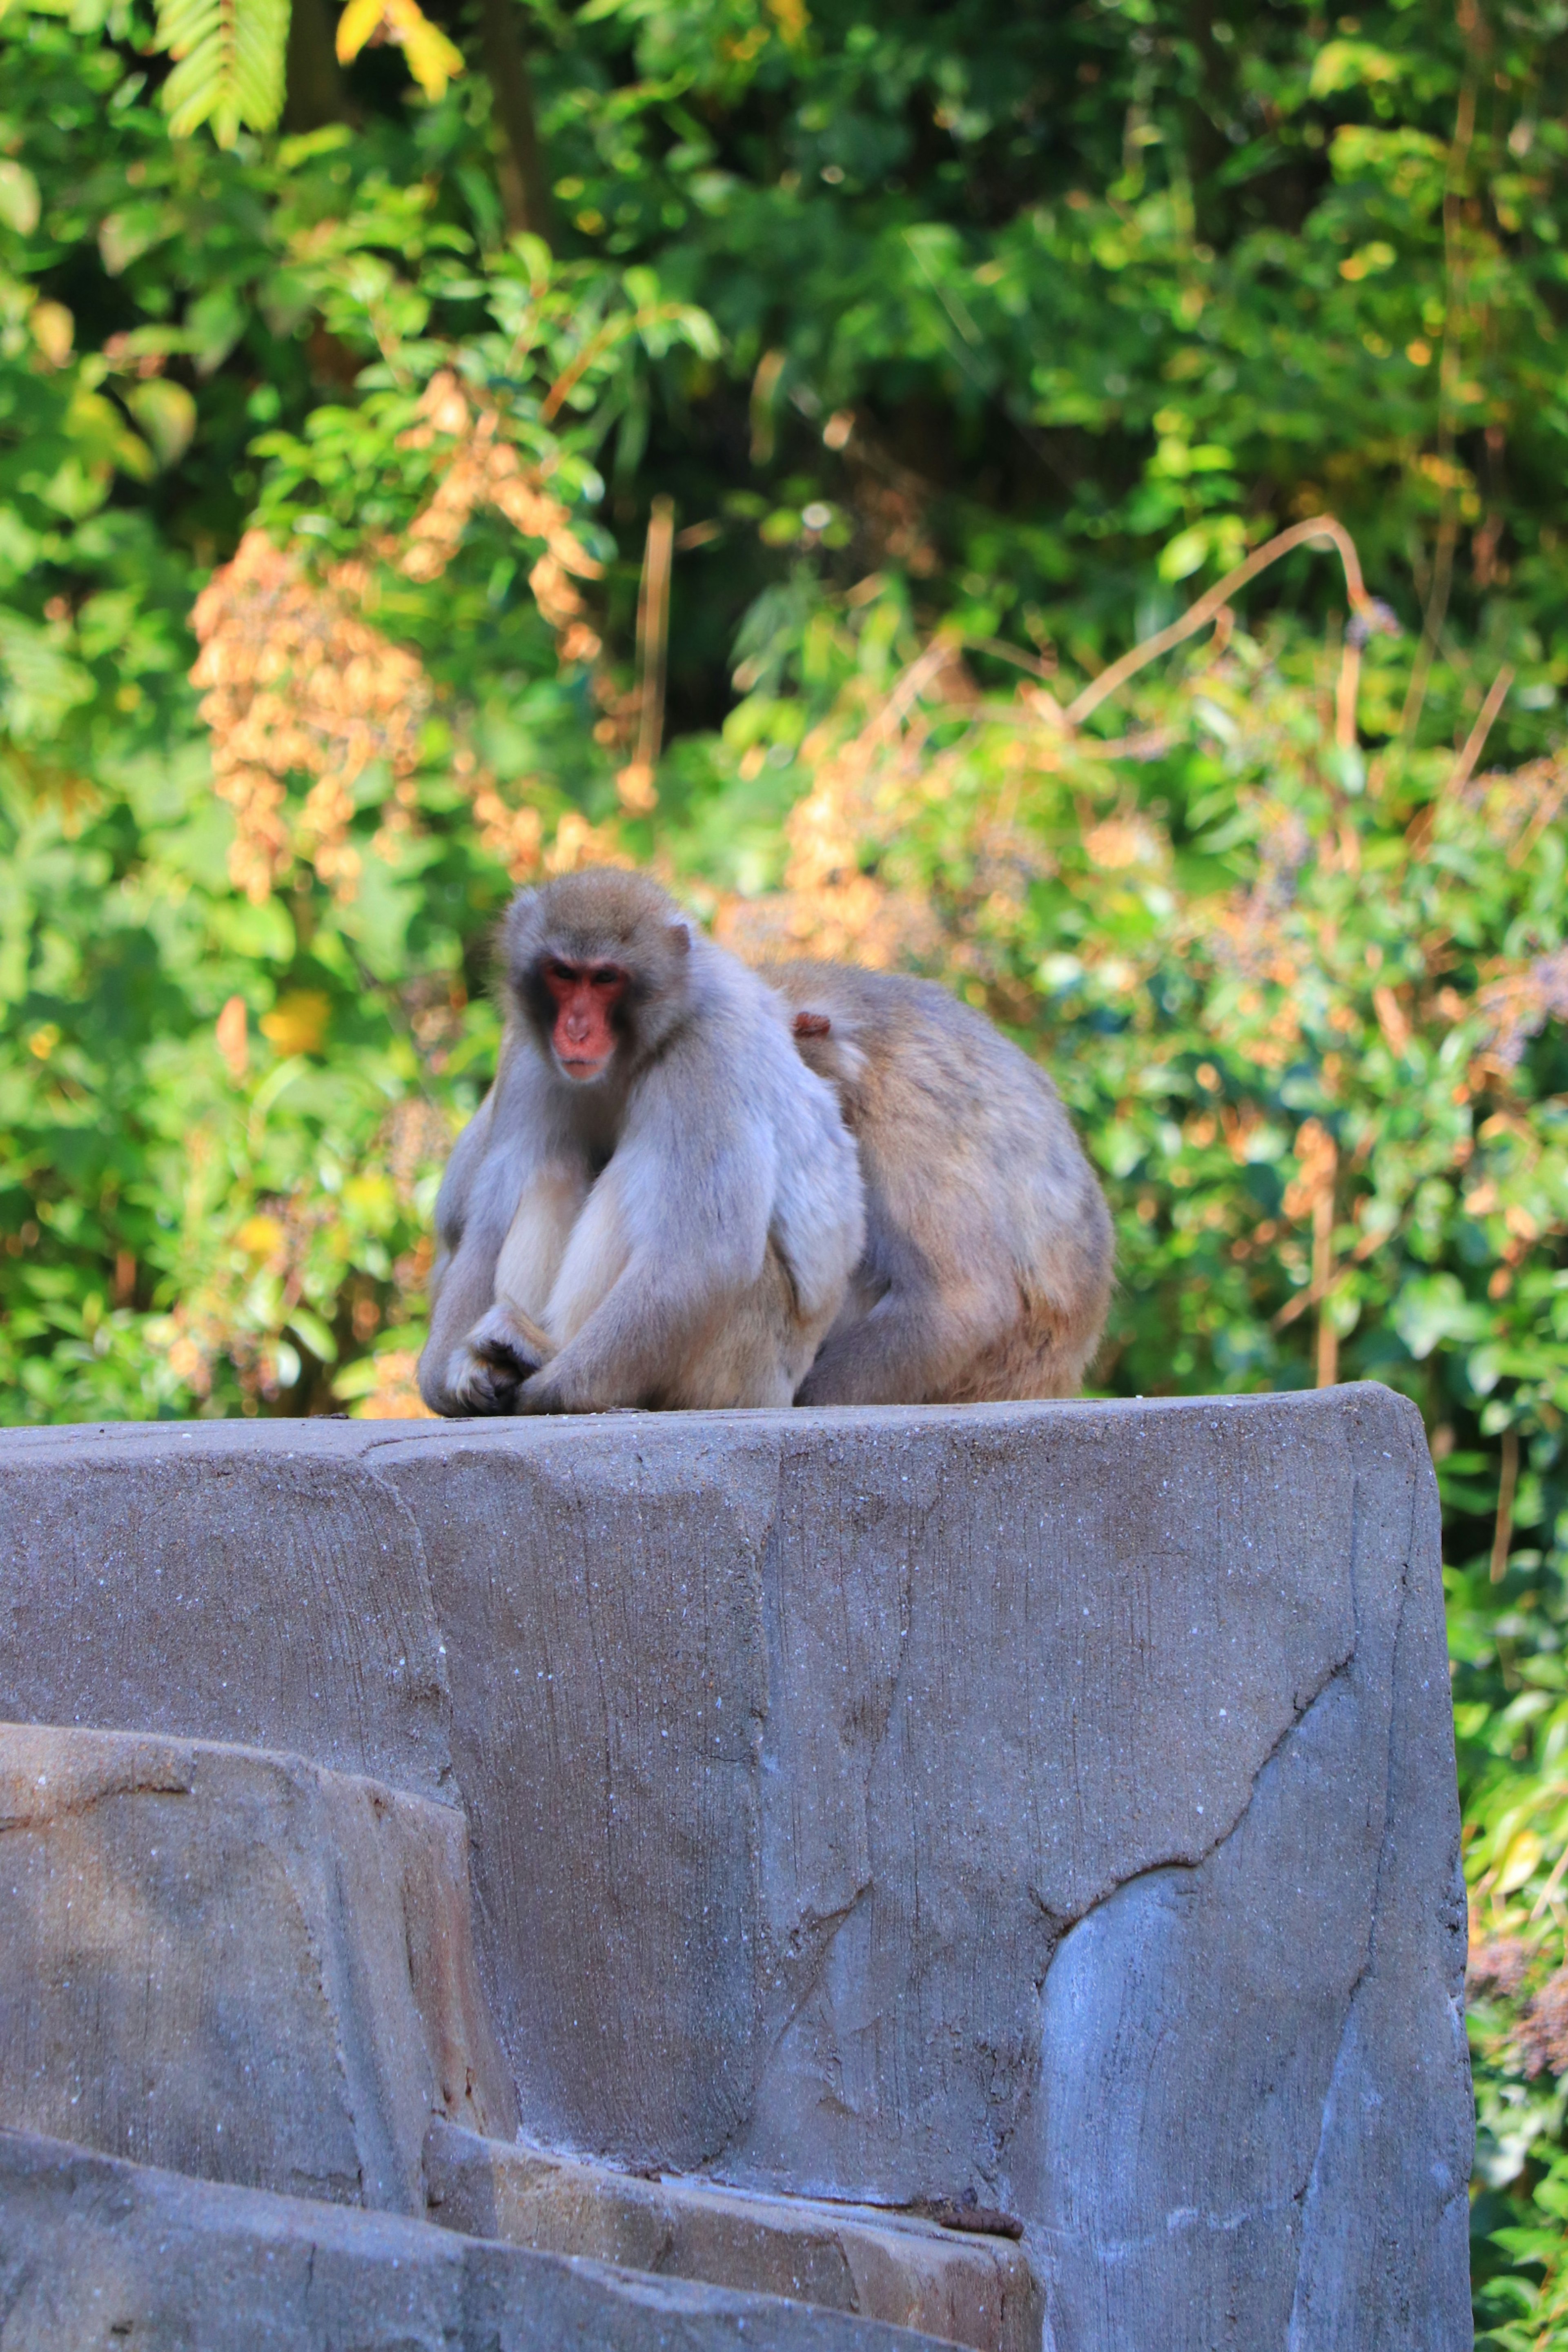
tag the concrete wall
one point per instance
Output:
(1049, 1802)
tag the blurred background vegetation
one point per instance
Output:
(744, 435)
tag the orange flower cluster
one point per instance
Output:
(829, 904)
(484, 471)
(298, 684)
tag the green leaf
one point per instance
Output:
(230, 63)
(1185, 553)
(1434, 1308)
(1349, 65)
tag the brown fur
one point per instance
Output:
(987, 1267)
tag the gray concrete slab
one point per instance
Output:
(977, 2290)
(237, 1965)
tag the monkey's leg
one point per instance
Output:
(915, 1347)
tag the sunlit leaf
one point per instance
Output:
(166, 413)
(1347, 65)
(19, 197)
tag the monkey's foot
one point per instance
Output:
(511, 1353)
(478, 1386)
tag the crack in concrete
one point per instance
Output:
(1304, 2195)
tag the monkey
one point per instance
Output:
(658, 1203)
(987, 1267)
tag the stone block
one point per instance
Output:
(220, 1580)
(235, 1965)
(96, 2255)
(974, 2290)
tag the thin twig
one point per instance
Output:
(1347, 693)
(1323, 1274)
(1549, 806)
(653, 630)
(1448, 371)
(1015, 654)
(623, 322)
(1317, 528)
(1476, 741)
(1431, 625)
(1503, 1536)
(1553, 1883)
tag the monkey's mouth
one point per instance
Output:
(584, 1070)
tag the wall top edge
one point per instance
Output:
(330, 1438)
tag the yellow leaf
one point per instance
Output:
(432, 58)
(167, 415)
(18, 198)
(1518, 1863)
(355, 26)
(260, 1237)
(298, 1021)
(791, 17)
(53, 330)
(1348, 65)
(374, 1199)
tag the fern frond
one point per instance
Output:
(228, 67)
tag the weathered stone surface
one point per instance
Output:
(217, 1580)
(1244, 1990)
(974, 2290)
(96, 2255)
(868, 1708)
(1050, 1801)
(237, 1965)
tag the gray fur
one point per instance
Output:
(678, 1231)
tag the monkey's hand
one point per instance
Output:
(490, 1367)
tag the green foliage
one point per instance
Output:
(969, 343)
(228, 64)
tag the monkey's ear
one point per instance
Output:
(812, 1024)
(681, 938)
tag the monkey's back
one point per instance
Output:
(975, 1182)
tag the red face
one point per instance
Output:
(584, 996)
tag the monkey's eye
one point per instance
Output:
(606, 975)
(561, 973)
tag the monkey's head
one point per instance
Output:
(597, 964)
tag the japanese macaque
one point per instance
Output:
(987, 1266)
(656, 1203)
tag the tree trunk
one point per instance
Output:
(525, 190)
(314, 78)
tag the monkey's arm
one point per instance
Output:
(677, 1231)
(469, 1231)
(492, 1164)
